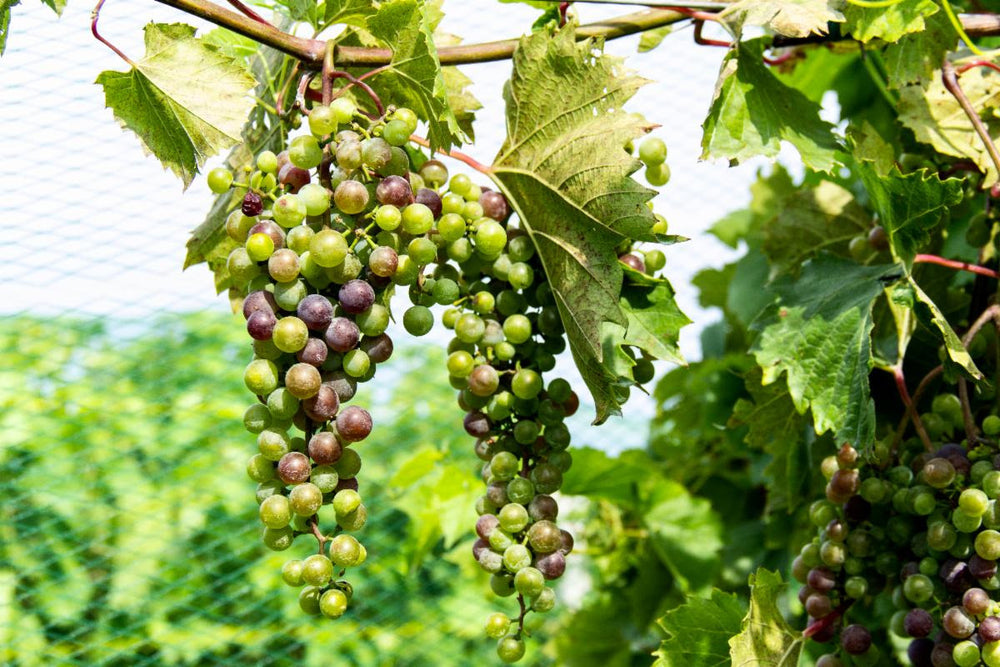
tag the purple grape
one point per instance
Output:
(260, 324)
(252, 204)
(259, 300)
(821, 579)
(855, 639)
(955, 574)
(324, 448)
(494, 205)
(356, 296)
(918, 623)
(976, 601)
(941, 655)
(323, 406)
(857, 509)
(476, 424)
(980, 568)
(342, 383)
(430, 199)
(818, 605)
(394, 190)
(552, 565)
(293, 177)
(342, 335)
(567, 542)
(543, 507)
(347, 483)
(378, 348)
(919, 651)
(354, 424)
(314, 353)
(633, 261)
(294, 468)
(989, 629)
(485, 525)
(316, 311)
(478, 547)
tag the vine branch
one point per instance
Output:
(94, 16)
(457, 155)
(958, 266)
(950, 79)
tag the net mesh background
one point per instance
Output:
(127, 527)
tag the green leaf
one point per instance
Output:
(868, 145)
(775, 427)
(765, 638)
(563, 170)
(414, 78)
(5, 7)
(651, 39)
(698, 632)
(917, 56)
(596, 475)
(654, 320)
(352, 12)
(186, 101)
(824, 217)
(909, 206)
(686, 534)
(230, 43)
(790, 18)
(937, 119)
(929, 312)
(820, 337)
(55, 5)
(888, 23)
(752, 112)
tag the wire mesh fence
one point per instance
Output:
(128, 533)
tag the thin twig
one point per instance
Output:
(971, 431)
(249, 12)
(458, 155)
(917, 395)
(978, 63)
(904, 395)
(318, 534)
(953, 264)
(94, 16)
(950, 80)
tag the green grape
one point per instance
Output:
(353, 520)
(991, 425)
(343, 109)
(322, 121)
(333, 603)
(328, 248)
(317, 570)
(281, 403)
(490, 238)
(918, 588)
(396, 132)
(965, 654)
(345, 550)
(520, 249)
(346, 501)
(452, 203)
(520, 275)
(290, 334)
(510, 649)
(460, 363)
(306, 499)
(289, 210)
(273, 444)
(298, 239)
(407, 117)
(964, 522)
(991, 654)
(513, 517)
(238, 226)
(652, 151)
(259, 469)
(460, 184)
(347, 270)
(973, 502)
(497, 625)
(417, 219)
(219, 180)
(520, 490)
(517, 329)
(259, 247)
(309, 600)
(545, 601)
(422, 251)
(527, 384)
(257, 418)
(275, 512)
(655, 260)
(460, 250)
(504, 466)
(325, 477)
(483, 303)
(526, 431)
(470, 328)
(304, 152)
(516, 557)
(356, 363)
(445, 291)
(987, 544)
(451, 227)
(472, 195)
(315, 197)
(373, 321)
(991, 483)
(261, 376)
(277, 539)
(658, 175)
(388, 217)
(472, 210)
(267, 162)
(291, 572)
(529, 582)
(418, 320)
(349, 464)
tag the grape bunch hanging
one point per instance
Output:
(326, 231)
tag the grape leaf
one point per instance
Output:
(414, 78)
(909, 206)
(352, 12)
(686, 534)
(230, 43)
(775, 427)
(820, 336)
(185, 100)
(752, 112)
(791, 18)
(55, 5)
(915, 57)
(765, 637)
(597, 475)
(5, 7)
(824, 217)
(699, 631)
(888, 23)
(651, 39)
(461, 100)
(654, 320)
(937, 119)
(929, 312)
(563, 170)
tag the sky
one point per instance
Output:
(89, 225)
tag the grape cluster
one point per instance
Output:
(917, 533)
(316, 284)
(653, 154)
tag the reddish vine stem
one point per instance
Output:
(904, 395)
(302, 91)
(94, 16)
(917, 395)
(457, 155)
(958, 266)
(520, 618)
(991, 313)
(950, 80)
(563, 7)
(246, 11)
(821, 624)
(978, 63)
(279, 101)
(354, 81)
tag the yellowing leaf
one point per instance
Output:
(791, 18)
(765, 638)
(185, 100)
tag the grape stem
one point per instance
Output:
(978, 63)
(950, 80)
(904, 395)
(958, 266)
(457, 155)
(246, 11)
(520, 618)
(917, 395)
(318, 534)
(95, 15)
(990, 314)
